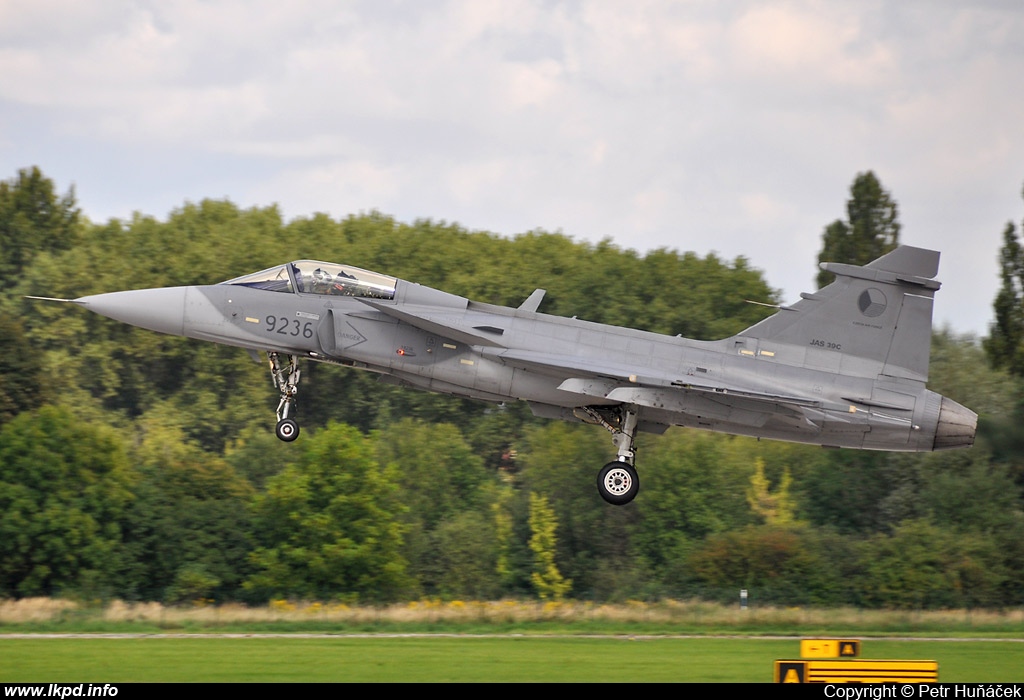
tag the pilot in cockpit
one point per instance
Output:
(322, 281)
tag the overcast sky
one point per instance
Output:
(727, 127)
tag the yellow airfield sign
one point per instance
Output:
(829, 648)
(856, 671)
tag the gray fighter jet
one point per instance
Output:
(845, 366)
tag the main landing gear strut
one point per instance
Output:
(617, 482)
(286, 379)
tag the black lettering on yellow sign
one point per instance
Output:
(790, 671)
(829, 648)
(849, 648)
(856, 671)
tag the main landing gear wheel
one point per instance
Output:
(287, 430)
(618, 483)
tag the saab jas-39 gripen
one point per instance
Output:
(845, 366)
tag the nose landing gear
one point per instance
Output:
(286, 379)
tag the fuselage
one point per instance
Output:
(428, 339)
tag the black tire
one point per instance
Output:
(287, 430)
(618, 484)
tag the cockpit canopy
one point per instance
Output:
(315, 277)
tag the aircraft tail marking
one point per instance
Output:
(872, 320)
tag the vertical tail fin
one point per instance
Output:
(872, 320)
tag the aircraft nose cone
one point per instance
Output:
(161, 310)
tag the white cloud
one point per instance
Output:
(812, 44)
(696, 125)
(337, 188)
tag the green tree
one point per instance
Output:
(1005, 344)
(439, 481)
(22, 385)
(872, 227)
(328, 524)
(437, 473)
(258, 455)
(547, 579)
(189, 526)
(774, 508)
(784, 565)
(849, 491)
(693, 486)
(463, 563)
(559, 462)
(503, 533)
(192, 583)
(959, 370)
(966, 490)
(33, 219)
(65, 487)
(921, 565)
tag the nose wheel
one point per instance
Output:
(286, 377)
(287, 430)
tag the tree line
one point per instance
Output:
(144, 467)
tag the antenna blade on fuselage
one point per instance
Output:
(66, 301)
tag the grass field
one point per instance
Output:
(60, 641)
(459, 659)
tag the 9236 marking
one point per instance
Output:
(282, 325)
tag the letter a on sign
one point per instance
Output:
(790, 672)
